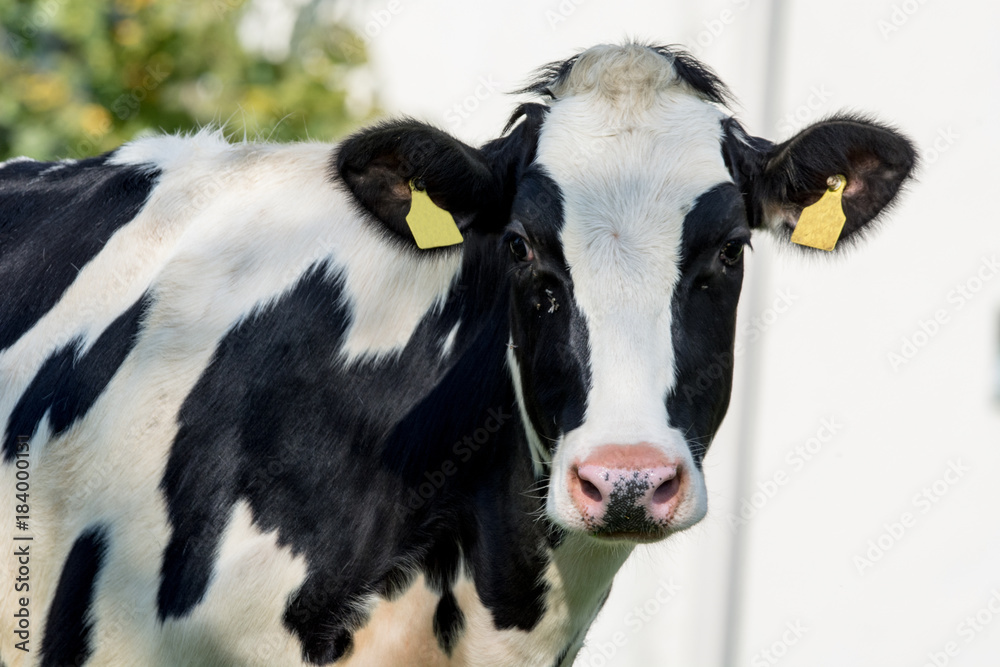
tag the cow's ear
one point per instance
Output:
(379, 164)
(780, 181)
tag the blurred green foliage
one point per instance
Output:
(79, 77)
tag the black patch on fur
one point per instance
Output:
(704, 316)
(448, 622)
(52, 224)
(745, 156)
(66, 385)
(689, 69)
(213, 432)
(550, 335)
(66, 639)
(371, 472)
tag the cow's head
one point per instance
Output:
(627, 203)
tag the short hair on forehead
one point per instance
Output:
(672, 65)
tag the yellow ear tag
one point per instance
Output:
(431, 226)
(820, 225)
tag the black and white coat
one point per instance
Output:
(261, 427)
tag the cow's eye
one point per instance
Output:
(732, 253)
(520, 249)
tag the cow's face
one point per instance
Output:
(623, 210)
(627, 252)
(626, 245)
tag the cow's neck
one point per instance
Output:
(441, 465)
(536, 587)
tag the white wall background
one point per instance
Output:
(933, 69)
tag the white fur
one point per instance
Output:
(449, 340)
(389, 293)
(577, 579)
(540, 456)
(400, 631)
(15, 160)
(61, 164)
(237, 623)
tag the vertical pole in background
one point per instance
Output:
(996, 367)
(750, 383)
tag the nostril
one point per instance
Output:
(593, 484)
(590, 490)
(665, 492)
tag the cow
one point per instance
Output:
(249, 418)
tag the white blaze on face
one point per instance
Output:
(629, 170)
